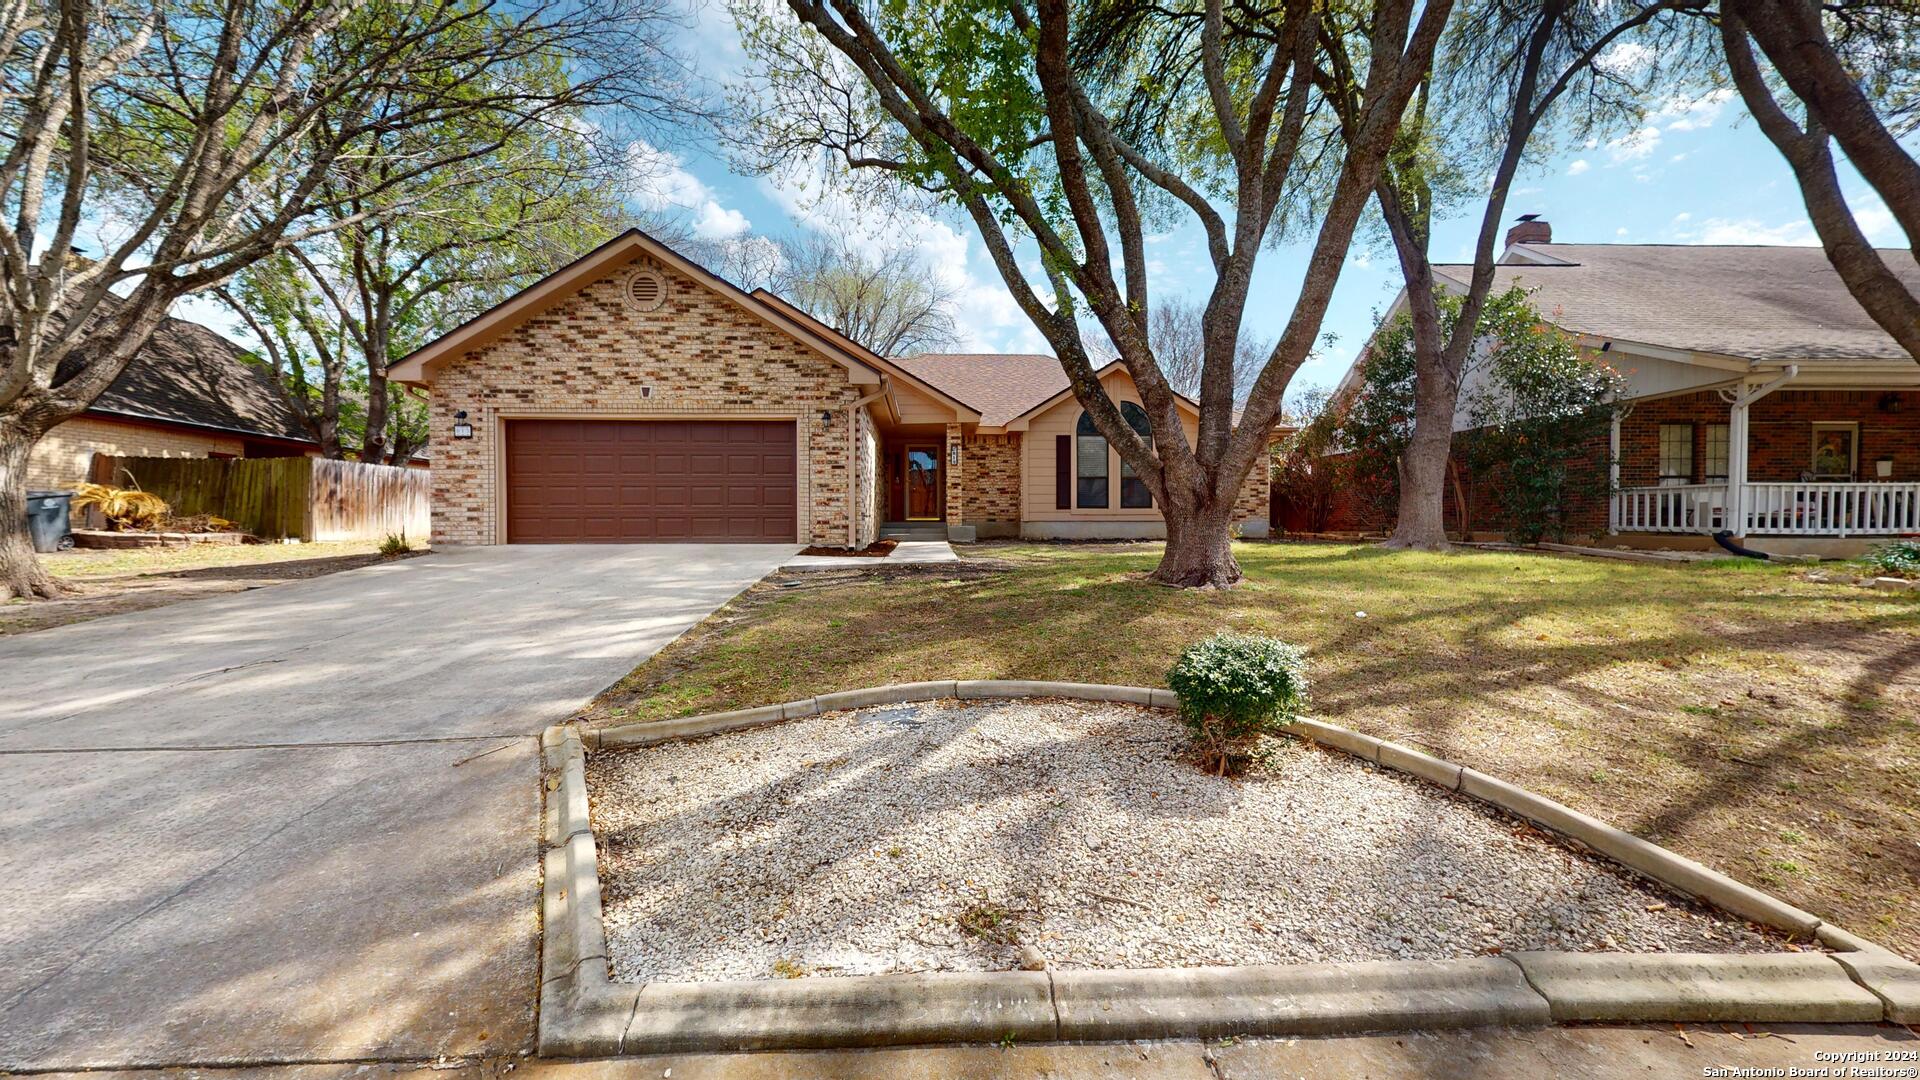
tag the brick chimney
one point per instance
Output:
(1530, 230)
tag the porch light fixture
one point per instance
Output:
(1890, 403)
(826, 417)
(462, 429)
(953, 453)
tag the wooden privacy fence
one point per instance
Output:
(304, 498)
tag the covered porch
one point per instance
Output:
(1769, 457)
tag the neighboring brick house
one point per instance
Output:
(635, 396)
(1760, 398)
(188, 393)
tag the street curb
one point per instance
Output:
(855, 1011)
(1699, 987)
(583, 1013)
(1296, 999)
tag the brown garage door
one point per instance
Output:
(613, 481)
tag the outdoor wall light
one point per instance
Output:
(1890, 403)
(462, 429)
(953, 454)
(826, 417)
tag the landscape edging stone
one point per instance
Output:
(584, 1013)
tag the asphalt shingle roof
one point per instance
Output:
(1759, 303)
(189, 374)
(1000, 386)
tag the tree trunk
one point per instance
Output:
(1199, 544)
(21, 574)
(373, 443)
(1422, 521)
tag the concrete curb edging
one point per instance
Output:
(584, 1013)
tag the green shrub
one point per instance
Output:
(1235, 688)
(395, 545)
(1901, 558)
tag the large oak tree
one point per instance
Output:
(1078, 125)
(1503, 68)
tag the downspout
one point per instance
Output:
(853, 461)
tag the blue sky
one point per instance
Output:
(1695, 170)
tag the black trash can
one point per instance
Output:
(48, 522)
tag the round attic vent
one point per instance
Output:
(646, 290)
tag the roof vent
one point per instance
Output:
(1530, 230)
(646, 290)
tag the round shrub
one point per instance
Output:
(1235, 688)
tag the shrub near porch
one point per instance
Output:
(1741, 716)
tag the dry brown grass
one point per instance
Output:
(1765, 725)
(113, 582)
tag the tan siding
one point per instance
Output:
(919, 408)
(1037, 471)
(1038, 456)
(62, 458)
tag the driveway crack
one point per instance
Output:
(184, 888)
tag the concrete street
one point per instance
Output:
(300, 824)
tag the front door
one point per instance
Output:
(923, 482)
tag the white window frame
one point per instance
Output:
(1674, 479)
(1725, 431)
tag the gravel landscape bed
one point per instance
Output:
(945, 836)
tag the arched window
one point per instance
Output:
(1090, 466)
(1133, 490)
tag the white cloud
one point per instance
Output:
(1875, 220)
(1620, 231)
(1691, 114)
(1625, 59)
(1579, 166)
(1750, 231)
(1682, 216)
(985, 313)
(716, 222)
(663, 183)
(1633, 146)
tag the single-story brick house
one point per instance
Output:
(635, 396)
(1760, 398)
(189, 393)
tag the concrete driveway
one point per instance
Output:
(300, 824)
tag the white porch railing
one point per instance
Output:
(1833, 509)
(1796, 509)
(1680, 508)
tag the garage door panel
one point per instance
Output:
(623, 481)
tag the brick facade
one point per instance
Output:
(1780, 441)
(1250, 509)
(62, 457)
(591, 354)
(990, 483)
(1780, 449)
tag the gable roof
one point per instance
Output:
(188, 374)
(1001, 386)
(1751, 302)
(1006, 387)
(510, 313)
(965, 411)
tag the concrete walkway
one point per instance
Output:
(299, 824)
(906, 551)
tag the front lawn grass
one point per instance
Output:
(1765, 725)
(121, 580)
